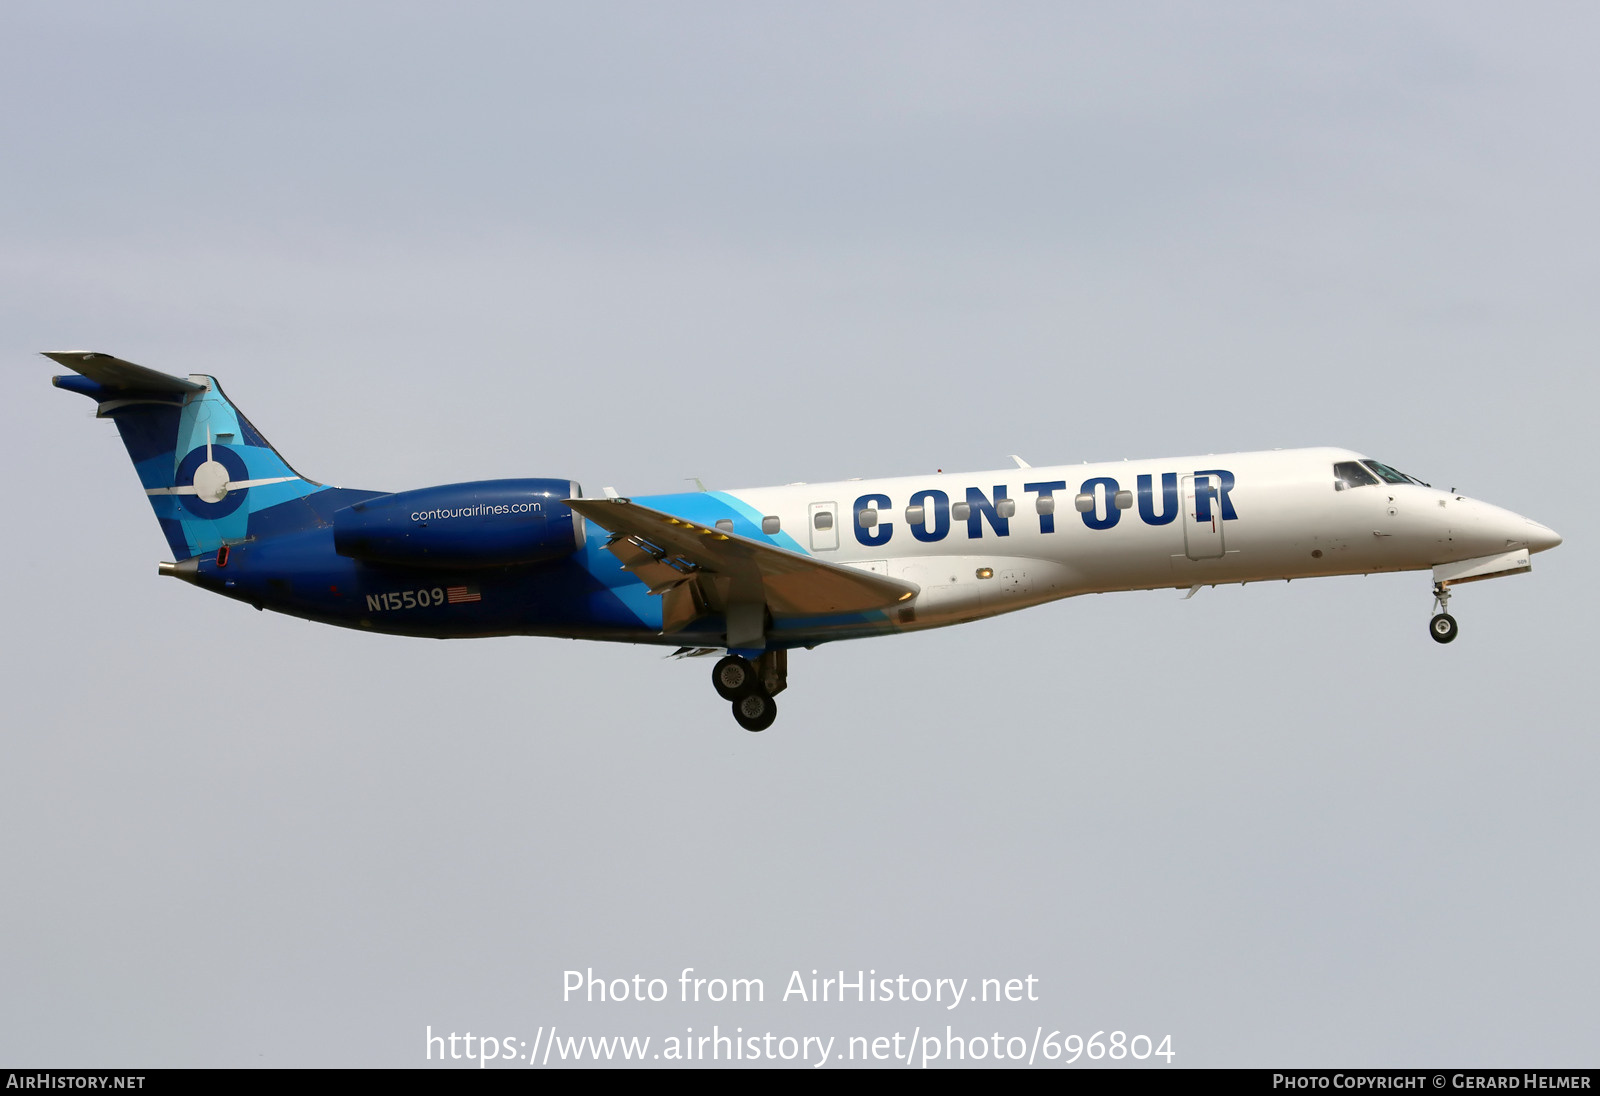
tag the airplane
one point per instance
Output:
(759, 572)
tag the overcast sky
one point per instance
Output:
(636, 243)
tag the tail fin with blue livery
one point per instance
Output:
(211, 477)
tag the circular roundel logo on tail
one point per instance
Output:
(210, 469)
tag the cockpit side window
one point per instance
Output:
(1389, 475)
(1348, 474)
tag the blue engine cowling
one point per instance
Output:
(491, 523)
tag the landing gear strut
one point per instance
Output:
(750, 686)
(1443, 626)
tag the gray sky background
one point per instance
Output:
(632, 244)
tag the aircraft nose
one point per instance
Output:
(1541, 538)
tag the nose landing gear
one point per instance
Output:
(750, 686)
(1443, 626)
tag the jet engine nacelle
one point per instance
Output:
(491, 523)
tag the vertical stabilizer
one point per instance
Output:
(211, 477)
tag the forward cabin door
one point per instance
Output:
(1202, 518)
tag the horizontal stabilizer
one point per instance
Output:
(114, 373)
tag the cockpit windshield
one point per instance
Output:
(1348, 474)
(1390, 475)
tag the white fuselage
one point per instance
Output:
(1173, 522)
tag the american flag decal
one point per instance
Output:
(459, 595)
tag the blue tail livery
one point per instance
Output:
(755, 573)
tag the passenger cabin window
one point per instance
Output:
(769, 525)
(725, 524)
(1348, 474)
(823, 520)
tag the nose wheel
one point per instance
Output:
(1442, 627)
(750, 686)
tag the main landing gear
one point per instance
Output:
(1443, 626)
(750, 686)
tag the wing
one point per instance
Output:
(699, 569)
